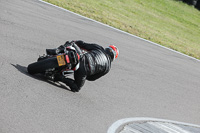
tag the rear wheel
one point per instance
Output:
(42, 65)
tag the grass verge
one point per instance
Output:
(170, 23)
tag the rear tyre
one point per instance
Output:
(42, 66)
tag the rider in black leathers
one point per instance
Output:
(93, 64)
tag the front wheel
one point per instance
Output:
(42, 66)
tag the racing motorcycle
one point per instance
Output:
(64, 62)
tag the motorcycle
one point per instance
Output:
(50, 65)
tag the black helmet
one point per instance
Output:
(112, 51)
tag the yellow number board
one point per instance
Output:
(61, 60)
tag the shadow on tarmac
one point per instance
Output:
(40, 77)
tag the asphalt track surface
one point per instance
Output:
(145, 81)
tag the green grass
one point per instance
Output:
(167, 22)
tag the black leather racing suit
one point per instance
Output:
(93, 65)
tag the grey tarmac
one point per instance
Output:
(145, 81)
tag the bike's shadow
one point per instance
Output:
(40, 77)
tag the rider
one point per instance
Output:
(91, 65)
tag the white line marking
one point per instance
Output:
(177, 128)
(119, 30)
(118, 125)
(131, 129)
(168, 127)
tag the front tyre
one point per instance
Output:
(42, 66)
